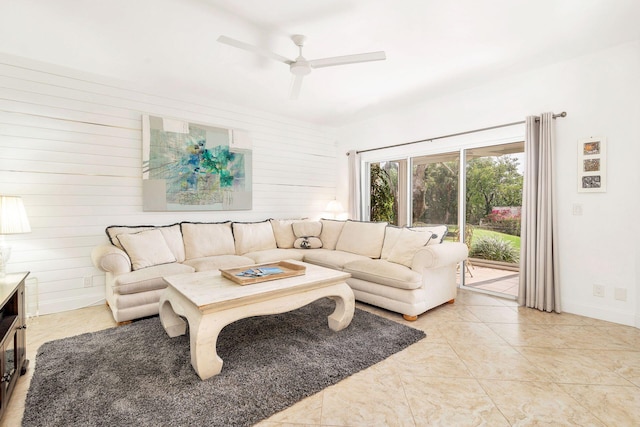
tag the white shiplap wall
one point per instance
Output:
(70, 145)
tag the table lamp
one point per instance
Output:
(335, 208)
(13, 220)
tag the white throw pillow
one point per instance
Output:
(253, 236)
(171, 233)
(362, 238)
(146, 249)
(283, 232)
(407, 244)
(207, 239)
(113, 231)
(439, 231)
(330, 234)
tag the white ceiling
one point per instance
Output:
(432, 46)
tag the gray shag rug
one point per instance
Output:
(137, 375)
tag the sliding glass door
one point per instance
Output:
(476, 192)
(493, 200)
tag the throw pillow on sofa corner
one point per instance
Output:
(407, 244)
(146, 249)
(171, 233)
(439, 232)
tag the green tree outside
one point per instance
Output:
(383, 201)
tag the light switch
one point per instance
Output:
(577, 209)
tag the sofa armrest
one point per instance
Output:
(435, 256)
(111, 259)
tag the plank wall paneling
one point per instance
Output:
(70, 145)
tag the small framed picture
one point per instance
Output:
(592, 162)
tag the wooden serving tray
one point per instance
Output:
(288, 270)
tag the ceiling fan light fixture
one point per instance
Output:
(300, 68)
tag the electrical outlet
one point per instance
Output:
(598, 291)
(88, 281)
(620, 294)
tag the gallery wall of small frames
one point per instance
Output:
(592, 165)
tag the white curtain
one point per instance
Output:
(539, 278)
(354, 185)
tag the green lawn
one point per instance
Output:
(478, 233)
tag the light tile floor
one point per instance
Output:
(485, 361)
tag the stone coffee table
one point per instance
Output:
(209, 302)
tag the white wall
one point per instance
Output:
(601, 94)
(70, 144)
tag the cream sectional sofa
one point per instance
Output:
(405, 270)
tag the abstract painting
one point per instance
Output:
(193, 167)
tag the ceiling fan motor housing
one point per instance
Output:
(300, 68)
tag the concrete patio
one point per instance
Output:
(492, 279)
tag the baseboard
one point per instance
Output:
(68, 304)
(608, 314)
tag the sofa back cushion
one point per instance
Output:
(391, 234)
(362, 238)
(203, 239)
(307, 228)
(253, 236)
(283, 232)
(146, 249)
(330, 233)
(171, 233)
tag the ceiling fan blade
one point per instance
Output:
(348, 59)
(295, 87)
(254, 49)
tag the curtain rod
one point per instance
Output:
(563, 114)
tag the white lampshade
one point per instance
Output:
(334, 207)
(13, 217)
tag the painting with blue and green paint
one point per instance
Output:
(196, 170)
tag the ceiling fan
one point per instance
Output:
(300, 67)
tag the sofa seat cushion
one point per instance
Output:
(147, 279)
(385, 273)
(330, 259)
(275, 255)
(219, 261)
(411, 297)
